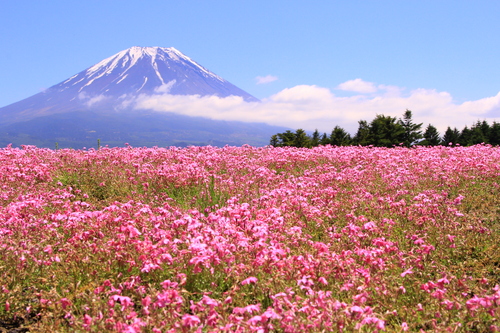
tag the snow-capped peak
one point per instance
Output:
(141, 70)
(127, 58)
(174, 53)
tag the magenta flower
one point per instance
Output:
(408, 271)
(190, 320)
(250, 280)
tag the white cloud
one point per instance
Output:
(165, 88)
(359, 86)
(94, 100)
(311, 107)
(90, 101)
(266, 79)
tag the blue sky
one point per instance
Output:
(314, 64)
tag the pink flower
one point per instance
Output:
(65, 303)
(255, 320)
(87, 321)
(48, 249)
(124, 301)
(458, 200)
(419, 241)
(149, 267)
(190, 320)
(356, 309)
(408, 271)
(146, 301)
(370, 226)
(249, 280)
(438, 293)
(378, 323)
(247, 309)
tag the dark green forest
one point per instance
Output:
(387, 131)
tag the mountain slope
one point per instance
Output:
(137, 70)
(99, 93)
(82, 129)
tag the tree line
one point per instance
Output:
(387, 131)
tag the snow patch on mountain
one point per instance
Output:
(145, 80)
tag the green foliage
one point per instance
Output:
(315, 139)
(301, 139)
(412, 131)
(339, 137)
(362, 135)
(290, 139)
(431, 137)
(285, 139)
(274, 140)
(324, 140)
(465, 136)
(387, 131)
(451, 136)
(479, 133)
(494, 135)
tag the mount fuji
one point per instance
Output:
(95, 104)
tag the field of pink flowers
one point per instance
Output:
(242, 239)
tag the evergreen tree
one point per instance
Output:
(324, 140)
(431, 137)
(385, 131)
(315, 139)
(274, 140)
(285, 139)
(485, 129)
(362, 135)
(450, 136)
(412, 131)
(479, 133)
(465, 137)
(339, 137)
(494, 134)
(301, 139)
